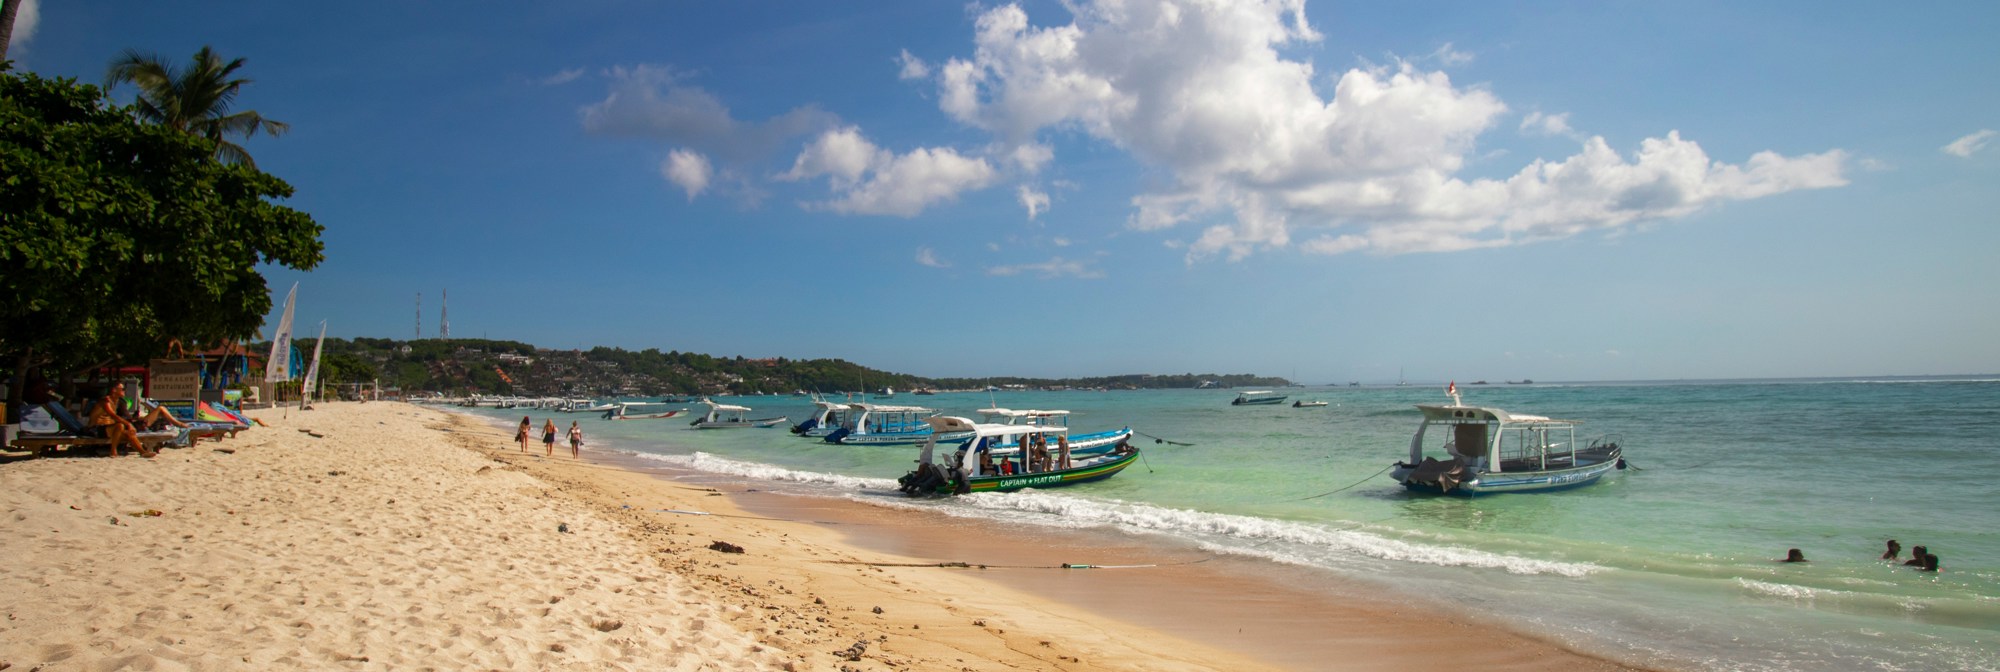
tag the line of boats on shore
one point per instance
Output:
(1457, 449)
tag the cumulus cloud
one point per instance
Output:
(928, 258)
(688, 169)
(1260, 159)
(654, 102)
(1971, 144)
(1036, 202)
(1055, 267)
(911, 67)
(869, 180)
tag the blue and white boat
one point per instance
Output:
(731, 416)
(1257, 398)
(1490, 451)
(885, 425)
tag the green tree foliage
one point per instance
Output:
(117, 236)
(194, 99)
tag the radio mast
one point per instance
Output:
(420, 316)
(444, 315)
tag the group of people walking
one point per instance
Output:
(549, 436)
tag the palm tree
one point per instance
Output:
(195, 100)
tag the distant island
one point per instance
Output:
(479, 366)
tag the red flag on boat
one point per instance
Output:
(1451, 388)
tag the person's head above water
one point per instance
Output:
(1795, 555)
(1895, 549)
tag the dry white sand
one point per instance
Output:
(378, 546)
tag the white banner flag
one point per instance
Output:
(312, 370)
(279, 367)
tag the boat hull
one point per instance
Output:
(895, 439)
(1047, 479)
(738, 424)
(1258, 402)
(1525, 481)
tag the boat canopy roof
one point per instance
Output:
(1247, 393)
(945, 424)
(1465, 414)
(1023, 413)
(887, 408)
(725, 407)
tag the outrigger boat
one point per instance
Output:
(982, 464)
(883, 425)
(731, 416)
(1492, 451)
(1257, 398)
(623, 411)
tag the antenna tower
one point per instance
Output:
(444, 315)
(420, 315)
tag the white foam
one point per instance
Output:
(1303, 543)
(721, 465)
(1784, 590)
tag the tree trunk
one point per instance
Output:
(7, 10)
(17, 388)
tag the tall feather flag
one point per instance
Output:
(279, 367)
(312, 371)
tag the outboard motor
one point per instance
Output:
(837, 435)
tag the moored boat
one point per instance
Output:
(1257, 398)
(883, 424)
(623, 411)
(731, 416)
(1308, 404)
(981, 464)
(1491, 451)
(1079, 444)
(826, 418)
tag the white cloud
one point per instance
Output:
(561, 77)
(1447, 56)
(928, 258)
(1971, 144)
(1036, 202)
(1055, 267)
(1537, 123)
(1060, 241)
(911, 66)
(869, 180)
(1031, 157)
(27, 17)
(652, 102)
(688, 169)
(1259, 158)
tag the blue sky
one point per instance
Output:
(1325, 191)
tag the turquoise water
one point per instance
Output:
(1670, 564)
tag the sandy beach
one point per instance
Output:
(390, 536)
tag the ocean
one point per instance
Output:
(1670, 563)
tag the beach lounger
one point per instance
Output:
(190, 412)
(72, 434)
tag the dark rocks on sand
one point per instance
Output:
(725, 547)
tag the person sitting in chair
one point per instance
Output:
(106, 422)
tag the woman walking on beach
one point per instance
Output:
(549, 437)
(575, 439)
(522, 435)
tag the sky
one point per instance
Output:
(1325, 191)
